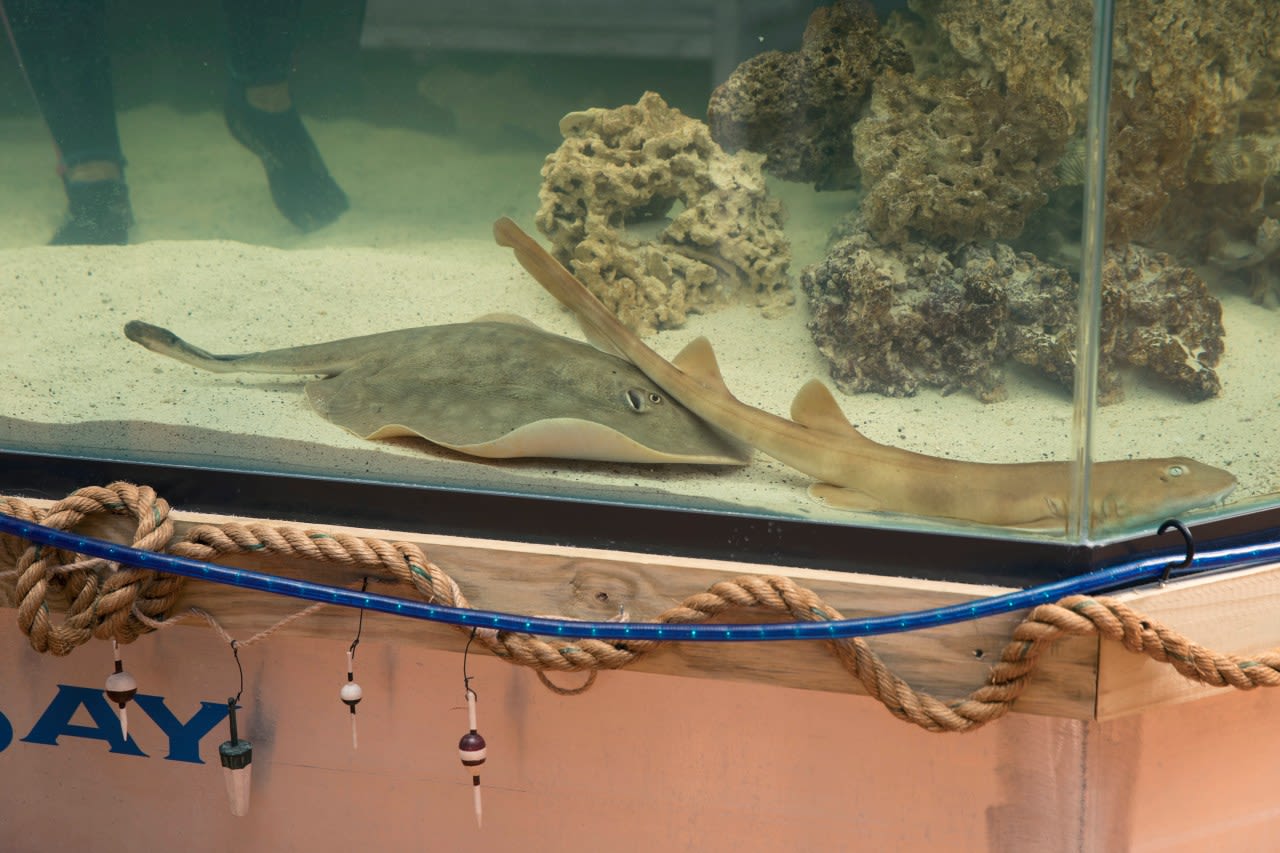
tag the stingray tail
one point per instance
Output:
(322, 359)
(167, 343)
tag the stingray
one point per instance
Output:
(498, 387)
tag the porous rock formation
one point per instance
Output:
(1233, 225)
(890, 319)
(955, 158)
(1184, 74)
(1171, 324)
(796, 107)
(617, 177)
(893, 320)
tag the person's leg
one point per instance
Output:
(62, 46)
(261, 116)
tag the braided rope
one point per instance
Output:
(101, 596)
(106, 601)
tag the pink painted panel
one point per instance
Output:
(640, 762)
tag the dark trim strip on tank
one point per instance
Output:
(482, 515)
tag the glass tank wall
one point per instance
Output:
(827, 257)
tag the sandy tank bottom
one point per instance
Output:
(213, 261)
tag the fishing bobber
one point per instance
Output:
(351, 694)
(471, 749)
(237, 765)
(121, 688)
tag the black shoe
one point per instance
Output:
(98, 214)
(300, 184)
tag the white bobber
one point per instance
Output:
(351, 693)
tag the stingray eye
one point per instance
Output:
(641, 400)
(1176, 470)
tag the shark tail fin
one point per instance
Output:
(601, 328)
(816, 408)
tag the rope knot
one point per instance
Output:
(100, 596)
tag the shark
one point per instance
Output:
(854, 472)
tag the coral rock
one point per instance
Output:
(617, 176)
(955, 158)
(796, 108)
(893, 319)
(1207, 52)
(1184, 74)
(1172, 324)
(1264, 260)
(1231, 228)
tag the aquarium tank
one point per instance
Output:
(766, 280)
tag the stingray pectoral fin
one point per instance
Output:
(345, 401)
(571, 438)
(597, 340)
(839, 497)
(390, 431)
(505, 317)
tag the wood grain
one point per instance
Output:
(548, 580)
(1233, 614)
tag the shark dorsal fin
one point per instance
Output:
(815, 408)
(698, 360)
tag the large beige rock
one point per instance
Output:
(657, 220)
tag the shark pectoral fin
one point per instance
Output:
(816, 408)
(1054, 517)
(698, 360)
(842, 498)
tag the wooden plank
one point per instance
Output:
(1233, 613)
(593, 584)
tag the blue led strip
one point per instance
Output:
(1239, 553)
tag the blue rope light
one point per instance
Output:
(1233, 554)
